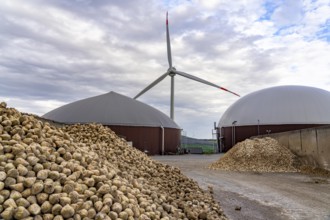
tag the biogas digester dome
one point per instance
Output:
(272, 110)
(149, 129)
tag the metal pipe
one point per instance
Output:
(163, 145)
(233, 133)
(220, 141)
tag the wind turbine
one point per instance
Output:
(172, 72)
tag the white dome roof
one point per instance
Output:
(111, 109)
(280, 105)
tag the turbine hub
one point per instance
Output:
(171, 71)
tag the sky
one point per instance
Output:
(56, 52)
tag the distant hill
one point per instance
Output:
(195, 145)
(190, 140)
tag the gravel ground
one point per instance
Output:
(282, 196)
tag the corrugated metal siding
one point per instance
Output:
(150, 138)
(172, 140)
(244, 132)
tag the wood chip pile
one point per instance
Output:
(258, 155)
(87, 172)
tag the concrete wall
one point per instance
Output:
(229, 136)
(312, 144)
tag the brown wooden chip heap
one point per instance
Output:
(87, 172)
(257, 155)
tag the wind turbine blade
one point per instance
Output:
(169, 54)
(151, 85)
(203, 81)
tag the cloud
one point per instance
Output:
(288, 13)
(57, 51)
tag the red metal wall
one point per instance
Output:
(150, 138)
(244, 132)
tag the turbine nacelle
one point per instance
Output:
(171, 71)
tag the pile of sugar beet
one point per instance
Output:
(258, 155)
(87, 172)
(264, 155)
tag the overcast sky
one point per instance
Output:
(58, 51)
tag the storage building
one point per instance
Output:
(273, 110)
(146, 127)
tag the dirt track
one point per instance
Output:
(276, 196)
